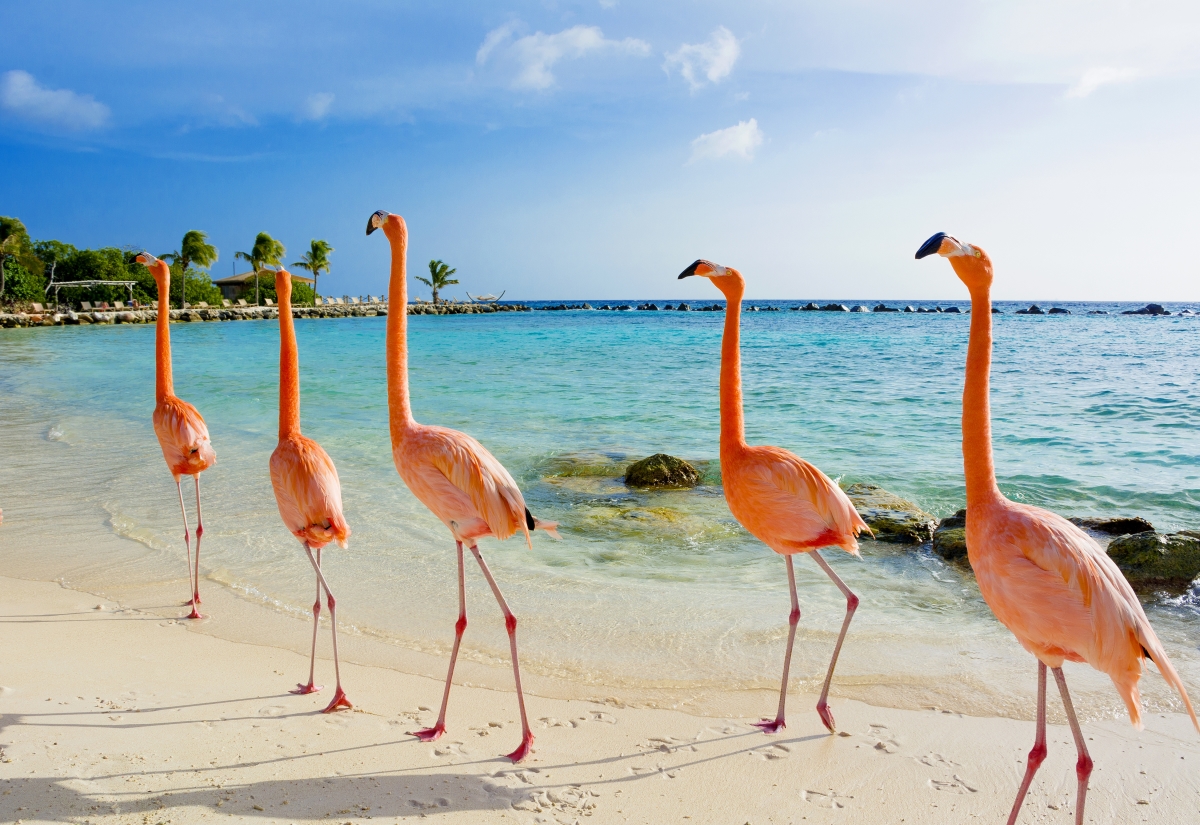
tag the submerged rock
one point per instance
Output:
(1148, 309)
(1152, 559)
(662, 470)
(1033, 310)
(1114, 526)
(884, 308)
(891, 518)
(950, 537)
(835, 308)
(1059, 311)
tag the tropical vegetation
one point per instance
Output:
(266, 252)
(439, 278)
(315, 260)
(194, 249)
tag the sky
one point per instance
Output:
(563, 150)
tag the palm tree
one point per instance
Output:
(14, 243)
(315, 259)
(194, 249)
(439, 277)
(266, 250)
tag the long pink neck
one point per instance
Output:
(399, 408)
(978, 464)
(289, 367)
(733, 425)
(164, 385)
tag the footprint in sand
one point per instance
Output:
(601, 716)
(826, 799)
(936, 760)
(666, 744)
(450, 749)
(955, 784)
(421, 804)
(884, 741)
(271, 710)
(551, 722)
(772, 752)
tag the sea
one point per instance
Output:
(656, 595)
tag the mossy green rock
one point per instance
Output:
(1114, 526)
(950, 537)
(891, 518)
(662, 470)
(1156, 559)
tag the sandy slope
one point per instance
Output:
(119, 715)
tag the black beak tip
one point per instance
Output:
(690, 271)
(371, 224)
(931, 246)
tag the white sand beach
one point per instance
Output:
(119, 713)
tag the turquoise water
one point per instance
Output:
(1093, 415)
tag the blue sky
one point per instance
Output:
(593, 149)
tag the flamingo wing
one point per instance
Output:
(1062, 596)
(802, 506)
(308, 492)
(183, 436)
(474, 471)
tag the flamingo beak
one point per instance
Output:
(944, 245)
(703, 268)
(376, 220)
(145, 258)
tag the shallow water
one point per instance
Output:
(1093, 415)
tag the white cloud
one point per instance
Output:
(316, 107)
(21, 94)
(536, 54)
(1093, 79)
(714, 59)
(740, 140)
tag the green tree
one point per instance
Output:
(315, 260)
(193, 249)
(15, 244)
(439, 278)
(302, 294)
(266, 252)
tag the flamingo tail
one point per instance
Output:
(1154, 651)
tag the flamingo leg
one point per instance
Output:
(187, 542)
(430, 734)
(510, 622)
(1038, 754)
(199, 533)
(339, 696)
(851, 605)
(312, 658)
(767, 725)
(1083, 767)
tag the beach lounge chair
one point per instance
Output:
(242, 302)
(202, 304)
(355, 300)
(154, 304)
(38, 307)
(269, 302)
(119, 304)
(225, 302)
(86, 306)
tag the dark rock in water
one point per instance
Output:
(859, 308)
(994, 311)
(1059, 311)
(1148, 309)
(1098, 312)
(683, 308)
(952, 310)
(1034, 309)
(891, 518)
(810, 307)
(835, 308)
(909, 308)
(1114, 526)
(950, 537)
(662, 470)
(1186, 312)
(883, 308)
(1156, 560)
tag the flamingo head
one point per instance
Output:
(725, 278)
(283, 285)
(971, 264)
(158, 268)
(392, 225)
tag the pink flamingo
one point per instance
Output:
(181, 431)
(785, 502)
(452, 474)
(306, 485)
(1046, 580)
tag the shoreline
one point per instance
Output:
(117, 715)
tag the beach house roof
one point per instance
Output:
(246, 277)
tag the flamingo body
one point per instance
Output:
(183, 436)
(308, 492)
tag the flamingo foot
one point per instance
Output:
(339, 701)
(304, 690)
(826, 715)
(196, 597)
(524, 750)
(770, 725)
(430, 734)
(195, 614)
